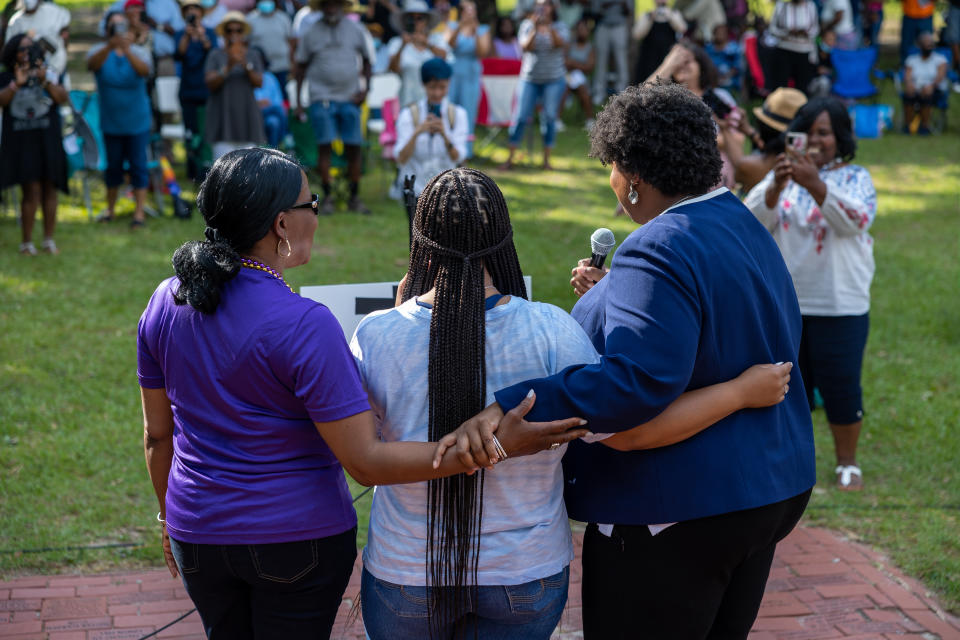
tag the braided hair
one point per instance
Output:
(240, 198)
(460, 227)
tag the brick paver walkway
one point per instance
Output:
(821, 587)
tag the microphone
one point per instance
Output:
(601, 242)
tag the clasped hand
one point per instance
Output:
(473, 440)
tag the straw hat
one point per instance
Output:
(233, 16)
(780, 107)
(189, 3)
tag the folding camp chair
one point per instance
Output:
(498, 88)
(854, 70)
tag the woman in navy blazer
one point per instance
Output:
(681, 538)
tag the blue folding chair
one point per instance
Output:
(853, 73)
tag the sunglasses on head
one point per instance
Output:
(313, 204)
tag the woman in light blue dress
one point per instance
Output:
(469, 41)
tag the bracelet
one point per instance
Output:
(159, 519)
(500, 450)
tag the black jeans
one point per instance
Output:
(698, 579)
(289, 590)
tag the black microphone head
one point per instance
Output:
(602, 241)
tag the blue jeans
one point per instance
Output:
(529, 95)
(332, 120)
(284, 590)
(465, 91)
(133, 150)
(530, 610)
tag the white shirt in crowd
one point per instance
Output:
(827, 248)
(830, 9)
(430, 156)
(411, 87)
(924, 71)
(48, 21)
(272, 33)
(790, 18)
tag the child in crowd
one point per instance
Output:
(727, 55)
(580, 62)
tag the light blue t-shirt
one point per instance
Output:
(525, 534)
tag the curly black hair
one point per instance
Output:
(662, 133)
(839, 120)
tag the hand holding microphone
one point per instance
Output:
(590, 271)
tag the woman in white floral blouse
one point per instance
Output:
(819, 206)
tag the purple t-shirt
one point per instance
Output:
(246, 384)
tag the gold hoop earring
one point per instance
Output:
(289, 248)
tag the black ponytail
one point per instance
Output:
(240, 198)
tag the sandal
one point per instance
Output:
(49, 246)
(845, 477)
(27, 249)
(137, 224)
(106, 216)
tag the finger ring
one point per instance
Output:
(554, 446)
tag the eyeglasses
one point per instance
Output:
(314, 204)
(234, 30)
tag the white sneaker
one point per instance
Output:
(588, 125)
(560, 126)
(956, 87)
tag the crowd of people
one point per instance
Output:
(235, 59)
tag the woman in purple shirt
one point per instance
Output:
(251, 402)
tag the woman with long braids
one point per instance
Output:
(497, 542)
(251, 402)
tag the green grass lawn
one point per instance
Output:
(71, 457)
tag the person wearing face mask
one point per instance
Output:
(271, 31)
(233, 119)
(331, 56)
(48, 21)
(122, 68)
(924, 84)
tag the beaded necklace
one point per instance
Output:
(259, 266)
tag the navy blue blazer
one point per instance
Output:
(693, 297)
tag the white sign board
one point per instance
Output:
(349, 303)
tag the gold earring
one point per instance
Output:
(289, 248)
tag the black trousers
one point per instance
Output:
(698, 579)
(282, 591)
(784, 65)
